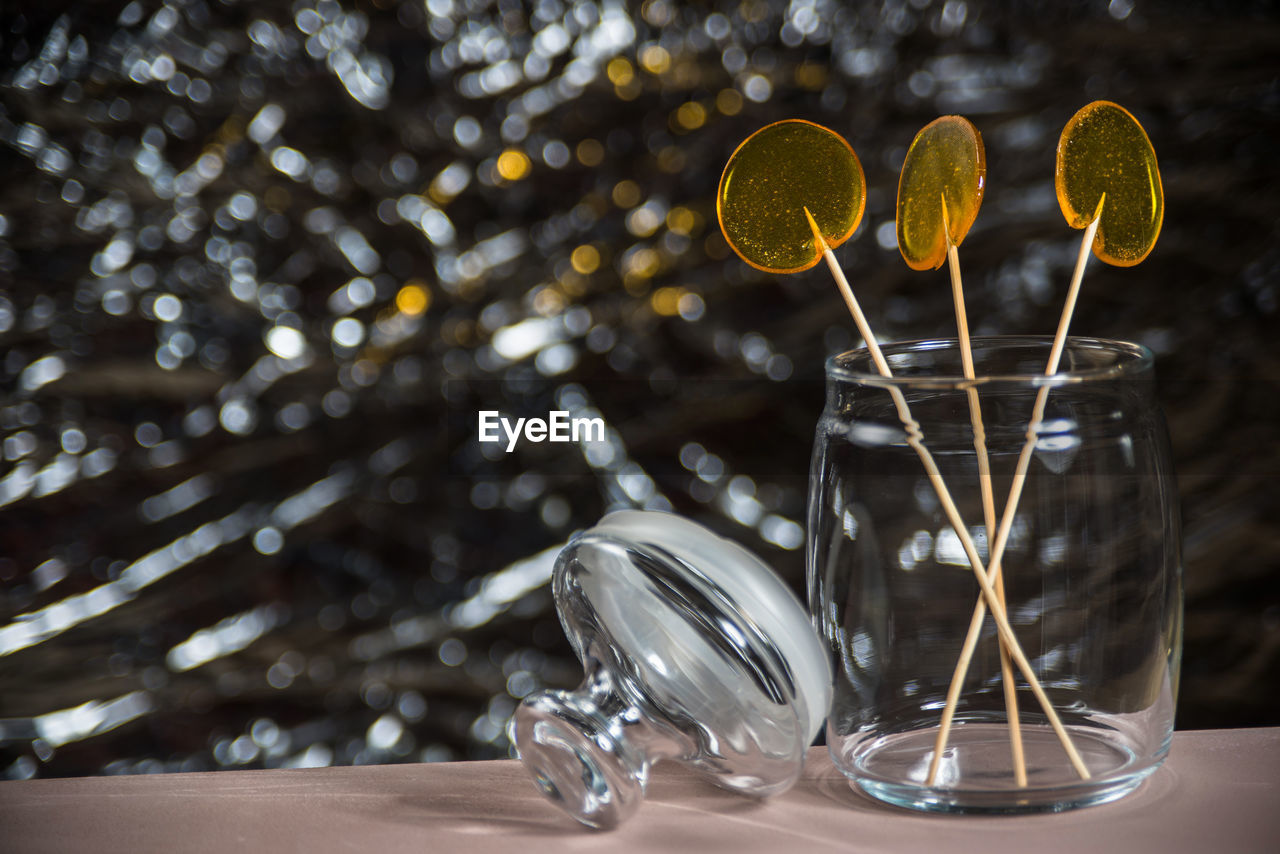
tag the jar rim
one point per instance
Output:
(1131, 359)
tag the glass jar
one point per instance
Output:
(1090, 573)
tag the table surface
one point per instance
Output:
(1219, 791)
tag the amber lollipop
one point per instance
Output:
(943, 179)
(791, 192)
(939, 194)
(772, 179)
(1108, 183)
(1107, 173)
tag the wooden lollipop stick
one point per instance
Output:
(1020, 473)
(989, 516)
(914, 437)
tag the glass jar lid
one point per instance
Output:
(694, 650)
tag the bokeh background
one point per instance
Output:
(261, 263)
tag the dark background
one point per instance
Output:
(235, 531)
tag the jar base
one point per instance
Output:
(976, 774)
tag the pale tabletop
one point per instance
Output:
(1218, 792)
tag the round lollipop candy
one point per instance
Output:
(772, 178)
(1108, 183)
(940, 191)
(1103, 151)
(939, 194)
